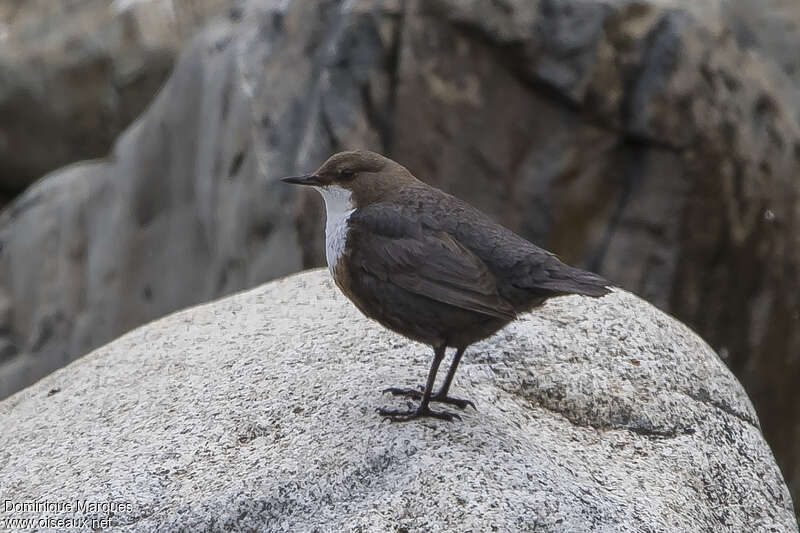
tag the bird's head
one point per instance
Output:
(360, 176)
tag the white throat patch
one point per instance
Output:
(338, 207)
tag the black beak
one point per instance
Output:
(308, 179)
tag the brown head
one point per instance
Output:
(362, 177)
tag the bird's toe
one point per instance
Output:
(458, 402)
(399, 415)
(407, 393)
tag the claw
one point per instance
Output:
(458, 402)
(408, 393)
(417, 395)
(397, 415)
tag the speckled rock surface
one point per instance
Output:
(257, 412)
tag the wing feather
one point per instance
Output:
(397, 249)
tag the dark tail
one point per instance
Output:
(571, 280)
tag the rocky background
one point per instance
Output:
(656, 142)
(74, 73)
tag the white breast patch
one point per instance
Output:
(338, 207)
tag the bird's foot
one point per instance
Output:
(406, 393)
(458, 402)
(398, 415)
(417, 395)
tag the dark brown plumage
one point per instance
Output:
(430, 266)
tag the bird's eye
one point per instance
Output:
(346, 174)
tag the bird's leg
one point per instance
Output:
(423, 409)
(440, 396)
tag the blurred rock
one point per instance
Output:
(654, 142)
(181, 211)
(74, 73)
(257, 412)
(769, 27)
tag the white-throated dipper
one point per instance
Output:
(428, 265)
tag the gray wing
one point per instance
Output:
(528, 273)
(394, 247)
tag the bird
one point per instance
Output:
(430, 266)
